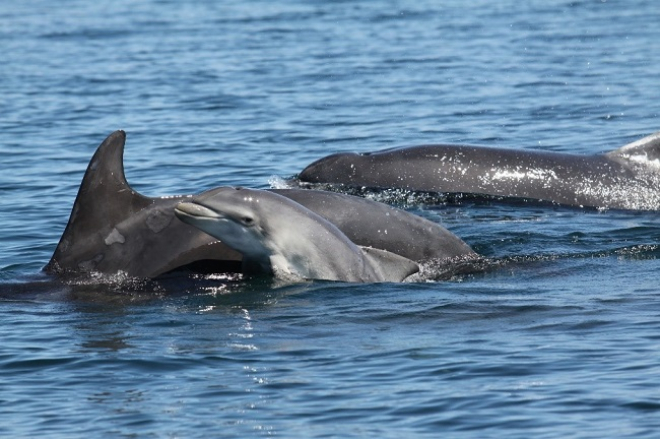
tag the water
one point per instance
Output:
(558, 340)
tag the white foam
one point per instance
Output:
(276, 182)
(533, 174)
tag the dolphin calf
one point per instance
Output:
(113, 228)
(279, 236)
(626, 178)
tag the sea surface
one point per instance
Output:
(560, 338)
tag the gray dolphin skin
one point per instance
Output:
(113, 228)
(276, 235)
(627, 178)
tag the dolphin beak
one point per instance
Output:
(187, 209)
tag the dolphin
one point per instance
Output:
(626, 178)
(114, 229)
(279, 236)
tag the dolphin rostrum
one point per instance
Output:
(279, 236)
(627, 178)
(113, 228)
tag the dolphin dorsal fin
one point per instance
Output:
(645, 148)
(391, 267)
(104, 199)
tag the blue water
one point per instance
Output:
(560, 339)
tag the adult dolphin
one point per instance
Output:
(627, 178)
(278, 236)
(113, 228)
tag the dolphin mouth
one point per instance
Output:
(193, 210)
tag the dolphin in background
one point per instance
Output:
(626, 178)
(278, 236)
(114, 229)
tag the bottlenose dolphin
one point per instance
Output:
(113, 228)
(279, 236)
(627, 178)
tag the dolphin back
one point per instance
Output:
(644, 149)
(389, 267)
(104, 199)
(114, 228)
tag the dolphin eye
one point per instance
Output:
(247, 220)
